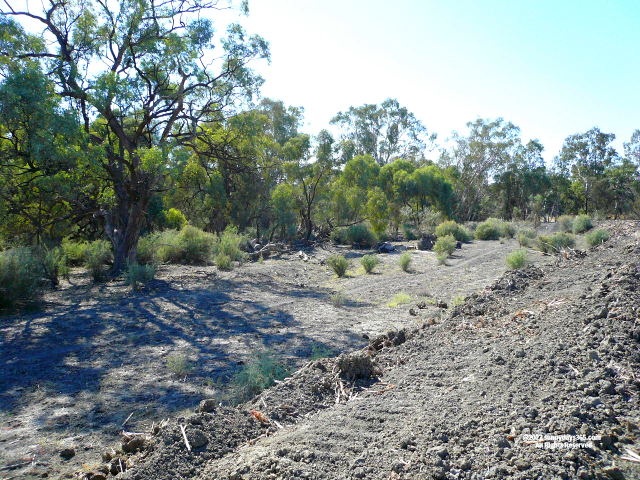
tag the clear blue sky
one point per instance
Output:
(553, 68)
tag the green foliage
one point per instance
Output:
(139, 275)
(450, 227)
(526, 236)
(359, 234)
(445, 245)
(369, 262)
(74, 252)
(96, 255)
(189, 245)
(410, 232)
(493, 229)
(179, 365)
(338, 264)
(54, 264)
(257, 374)
(174, 219)
(20, 277)
(581, 224)
(566, 223)
(223, 261)
(338, 299)
(148, 248)
(555, 242)
(596, 237)
(319, 351)
(405, 261)
(399, 299)
(441, 258)
(517, 259)
(229, 244)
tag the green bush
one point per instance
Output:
(405, 261)
(517, 259)
(137, 274)
(450, 227)
(409, 232)
(174, 219)
(223, 261)
(20, 277)
(338, 264)
(596, 237)
(257, 374)
(566, 223)
(354, 234)
(338, 299)
(493, 229)
(399, 299)
(582, 223)
(189, 245)
(229, 244)
(526, 236)
(555, 242)
(446, 245)
(441, 258)
(74, 252)
(369, 262)
(148, 249)
(96, 255)
(54, 263)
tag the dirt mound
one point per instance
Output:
(536, 376)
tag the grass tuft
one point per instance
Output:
(405, 261)
(517, 259)
(338, 264)
(369, 262)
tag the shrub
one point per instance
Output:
(189, 245)
(399, 299)
(517, 259)
(441, 258)
(54, 264)
(355, 234)
(369, 262)
(137, 274)
(409, 232)
(338, 299)
(96, 256)
(148, 249)
(257, 374)
(566, 223)
(174, 219)
(582, 223)
(179, 365)
(526, 236)
(20, 277)
(556, 242)
(229, 244)
(223, 261)
(450, 227)
(74, 252)
(493, 229)
(319, 351)
(596, 237)
(446, 245)
(405, 261)
(338, 264)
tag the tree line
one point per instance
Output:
(118, 117)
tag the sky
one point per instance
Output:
(553, 68)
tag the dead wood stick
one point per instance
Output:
(184, 435)
(127, 420)
(15, 465)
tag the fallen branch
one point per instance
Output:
(184, 435)
(631, 456)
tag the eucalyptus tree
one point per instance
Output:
(143, 78)
(385, 132)
(586, 157)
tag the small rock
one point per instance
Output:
(520, 354)
(522, 464)
(442, 304)
(207, 405)
(593, 355)
(422, 305)
(97, 476)
(67, 453)
(197, 438)
(613, 473)
(412, 312)
(131, 444)
(603, 313)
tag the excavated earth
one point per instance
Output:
(536, 375)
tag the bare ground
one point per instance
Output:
(73, 373)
